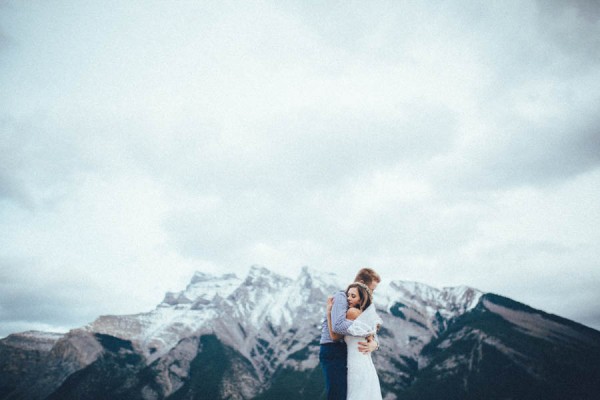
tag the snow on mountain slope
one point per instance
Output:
(202, 289)
(179, 315)
(33, 340)
(449, 301)
(266, 304)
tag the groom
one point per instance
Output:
(333, 354)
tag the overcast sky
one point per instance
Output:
(442, 142)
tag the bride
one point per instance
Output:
(363, 382)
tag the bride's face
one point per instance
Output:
(353, 297)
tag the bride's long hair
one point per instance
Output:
(363, 293)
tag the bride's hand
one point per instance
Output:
(329, 303)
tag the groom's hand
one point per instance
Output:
(368, 346)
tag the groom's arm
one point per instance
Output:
(371, 344)
(338, 314)
(368, 346)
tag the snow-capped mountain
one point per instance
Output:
(257, 337)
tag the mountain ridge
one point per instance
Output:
(264, 329)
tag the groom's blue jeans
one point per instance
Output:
(334, 359)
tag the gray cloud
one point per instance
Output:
(309, 152)
(30, 299)
(535, 154)
(40, 161)
(457, 144)
(586, 10)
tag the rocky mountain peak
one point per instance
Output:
(201, 277)
(202, 289)
(259, 276)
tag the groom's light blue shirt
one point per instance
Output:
(339, 323)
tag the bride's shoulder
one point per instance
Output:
(353, 313)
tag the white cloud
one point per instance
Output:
(450, 144)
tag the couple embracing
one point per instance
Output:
(348, 336)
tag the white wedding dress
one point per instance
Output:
(363, 383)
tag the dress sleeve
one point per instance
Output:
(366, 323)
(339, 323)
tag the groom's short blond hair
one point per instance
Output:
(366, 276)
